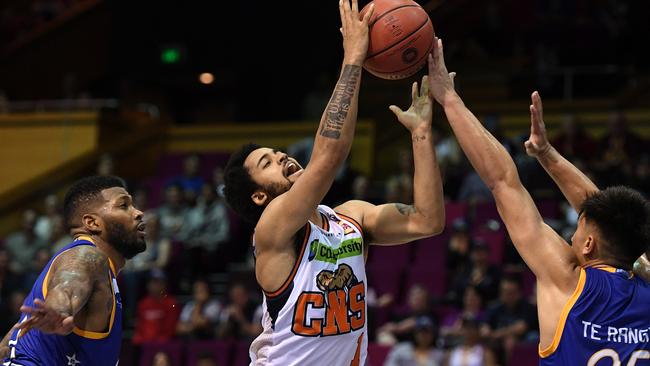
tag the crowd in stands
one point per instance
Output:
(461, 298)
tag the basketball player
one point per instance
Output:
(310, 259)
(590, 305)
(73, 315)
(575, 186)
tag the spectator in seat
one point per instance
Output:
(422, 352)
(10, 282)
(199, 317)
(458, 248)
(137, 270)
(480, 274)
(24, 244)
(573, 141)
(44, 227)
(206, 227)
(401, 329)
(510, 319)
(206, 359)
(241, 319)
(451, 329)
(471, 352)
(157, 312)
(190, 182)
(161, 359)
(172, 213)
(12, 314)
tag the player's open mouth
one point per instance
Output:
(142, 229)
(291, 168)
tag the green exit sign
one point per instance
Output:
(171, 54)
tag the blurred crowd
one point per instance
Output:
(183, 286)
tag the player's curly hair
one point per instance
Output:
(85, 191)
(239, 186)
(623, 217)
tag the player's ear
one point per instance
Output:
(590, 246)
(260, 198)
(92, 223)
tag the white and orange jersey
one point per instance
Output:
(318, 316)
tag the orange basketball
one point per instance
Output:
(401, 37)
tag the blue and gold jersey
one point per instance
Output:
(79, 348)
(606, 322)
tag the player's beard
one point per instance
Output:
(276, 189)
(126, 243)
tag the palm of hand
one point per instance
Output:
(418, 113)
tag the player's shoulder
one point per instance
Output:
(82, 256)
(354, 209)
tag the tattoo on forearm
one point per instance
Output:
(418, 138)
(405, 210)
(339, 104)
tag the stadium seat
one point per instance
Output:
(396, 256)
(240, 357)
(377, 354)
(219, 349)
(483, 212)
(433, 279)
(431, 252)
(524, 354)
(174, 349)
(454, 210)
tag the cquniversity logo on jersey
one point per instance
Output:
(325, 253)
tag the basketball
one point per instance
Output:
(401, 37)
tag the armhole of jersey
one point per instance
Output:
(285, 285)
(363, 236)
(100, 335)
(548, 351)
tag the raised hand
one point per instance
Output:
(441, 81)
(355, 31)
(46, 319)
(421, 110)
(537, 144)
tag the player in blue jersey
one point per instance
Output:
(73, 315)
(592, 309)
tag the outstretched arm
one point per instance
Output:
(573, 183)
(69, 286)
(545, 252)
(395, 223)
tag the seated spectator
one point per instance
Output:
(480, 274)
(106, 165)
(241, 318)
(190, 182)
(136, 271)
(172, 213)
(161, 359)
(399, 187)
(10, 282)
(60, 235)
(401, 328)
(510, 319)
(471, 352)
(473, 190)
(44, 227)
(199, 316)
(12, 314)
(458, 248)
(206, 227)
(451, 326)
(41, 257)
(24, 244)
(206, 359)
(422, 352)
(157, 312)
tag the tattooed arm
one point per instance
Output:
(286, 214)
(396, 222)
(70, 284)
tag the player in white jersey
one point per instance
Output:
(310, 259)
